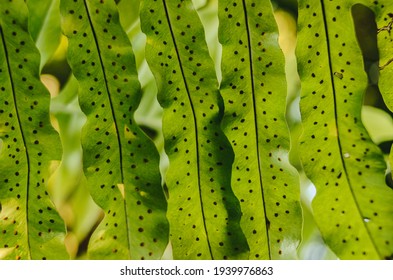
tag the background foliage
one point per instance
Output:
(83, 210)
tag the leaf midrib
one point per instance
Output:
(195, 125)
(256, 120)
(115, 122)
(22, 135)
(337, 124)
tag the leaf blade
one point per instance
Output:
(134, 225)
(348, 169)
(201, 203)
(44, 26)
(29, 224)
(254, 93)
(384, 21)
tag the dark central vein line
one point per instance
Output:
(336, 120)
(23, 137)
(114, 119)
(254, 101)
(195, 124)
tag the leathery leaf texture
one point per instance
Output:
(254, 92)
(30, 227)
(353, 206)
(120, 161)
(203, 212)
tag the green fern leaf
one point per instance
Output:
(120, 162)
(254, 92)
(44, 26)
(202, 209)
(353, 206)
(30, 228)
(384, 19)
(383, 11)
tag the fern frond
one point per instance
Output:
(353, 206)
(203, 212)
(44, 26)
(254, 92)
(120, 161)
(30, 227)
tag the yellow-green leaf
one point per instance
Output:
(353, 206)
(30, 227)
(203, 212)
(254, 92)
(120, 161)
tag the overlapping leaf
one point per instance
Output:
(383, 11)
(44, 26)
(30, 228)
(120, 162)
(202, 209)
(254, 93)
(353, 206)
